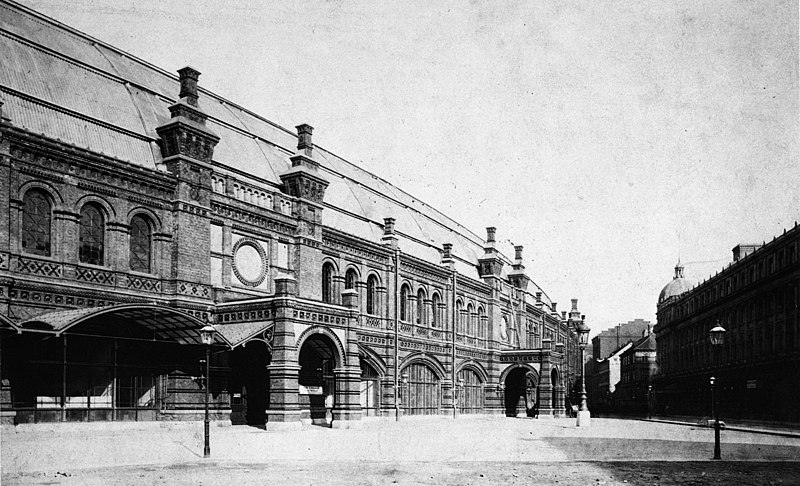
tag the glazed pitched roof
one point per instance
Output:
(57, 81)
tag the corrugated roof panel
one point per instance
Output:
(50, 36)
(141, 74)
(82, 133)
(346, 223)
(52, 79)
(263, 129)
(242, 152)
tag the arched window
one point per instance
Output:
(481, 322)
(372, 295)
(470, 320)
(421, 317)
(350, 279)
(404, 303)
(140, 244)
(459, 322)
(36, 221)
(91, 238)
(435, 311)
(327, 282)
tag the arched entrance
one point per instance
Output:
(422, 391)
(318, 359)
(368, 393)
(556, 384)
(250, 383)
(471, 399)
(520, 393)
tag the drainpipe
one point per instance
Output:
(453, 340)
(396, 333)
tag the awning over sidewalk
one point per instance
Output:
(165, 322)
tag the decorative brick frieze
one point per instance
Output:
(421, 346)
(39, 267)
(5, 259)
(41, 173)
(369, 339)
(193, 289)
(245, 316)
(337, 243)
(91, 275)
(319, 317)
(228, 212)
(144, 284)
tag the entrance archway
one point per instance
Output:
(422, 396)
(318, 360)
(369, 391)
(556, 384)
(471, 399)
(250, 386)
(520, 393)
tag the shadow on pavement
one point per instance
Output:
(667, 473)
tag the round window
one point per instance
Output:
(249, 262)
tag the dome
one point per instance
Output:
(677, 286)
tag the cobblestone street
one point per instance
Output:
(414, 451)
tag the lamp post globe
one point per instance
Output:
(584, 417)
(207, 338)
(717, 337)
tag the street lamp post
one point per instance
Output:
(207, 336)
(717, 337)
(649, 402)
(584, 416)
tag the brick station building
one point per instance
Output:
(141, 207)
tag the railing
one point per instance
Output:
(372, 322)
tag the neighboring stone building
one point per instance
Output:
(141, 207)
(610, 340)
(637, 369)
(606, 377)
(755, 299)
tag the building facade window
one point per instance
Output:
(350, 279)
(372, 295)
(327, 282)
(36, 223)
(421, 317)
(140, 244)
(91, 238)
(404, 303)
(435, 300)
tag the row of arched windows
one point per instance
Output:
(421, 315)
(471, 322)
(329, 294)
(37, 221)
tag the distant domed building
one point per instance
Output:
(677, 286)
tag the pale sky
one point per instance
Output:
(608, 138)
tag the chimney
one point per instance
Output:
(518, 253)
(447, 253)
(574, 304)
(563, 315)
(188, 77)
(304, 138)
(389, 238)
(490, 234)
(554, 305)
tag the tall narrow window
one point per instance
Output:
(435, 310)
(470, 320)
(92, 236)
(36, 221)
(372, 291)
(141, 246)
(327, 283)
(421, 317)
(459, 325)
(404, 303)
(350, 279)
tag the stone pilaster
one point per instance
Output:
(284, 370)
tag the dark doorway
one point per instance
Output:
(520, 393)
(250, 380)
(317, 380)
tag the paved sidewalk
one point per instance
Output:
(70, 447)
